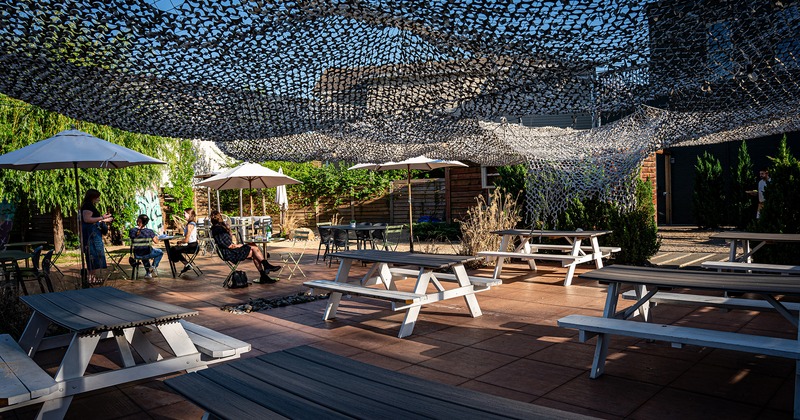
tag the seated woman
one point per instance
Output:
(176, 253)
(238, 252)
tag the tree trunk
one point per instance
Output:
(58, 228)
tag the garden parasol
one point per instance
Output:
(281, 198)
(419, 163)
(248, 175)
(74, 149)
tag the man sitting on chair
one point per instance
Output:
(145, 253)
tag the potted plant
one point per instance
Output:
(352, 223)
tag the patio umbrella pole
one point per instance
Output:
(410, 217)
(84, 274)
(219, 209)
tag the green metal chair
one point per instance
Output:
(392, 237)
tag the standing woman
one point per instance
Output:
(176, 253)
(92, 237)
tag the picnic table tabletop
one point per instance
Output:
(552, 233)
(757, 236)
(102, 309)
(438, 261)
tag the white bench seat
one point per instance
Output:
(715, 301)
(407, 298)
(565, 260)
(482, 282)
(757, 344)
(213, 343)
(21, 379)
(605, 250)
(743, 266)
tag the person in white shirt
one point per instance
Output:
(177, 253)
(762, 184)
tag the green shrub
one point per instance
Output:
(438, 231)
(708, 199)
(781, 212)
(742, 204)
(635, 230)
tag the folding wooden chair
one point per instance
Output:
(233, 266)
(115, 257)
(192, 265)
(291, 259)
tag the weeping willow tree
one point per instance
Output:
(53, 191)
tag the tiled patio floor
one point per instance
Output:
(515, 349)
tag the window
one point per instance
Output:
(489, 175)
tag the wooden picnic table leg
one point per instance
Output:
(597, 254)
(335, 297)
(498, 264)
(748, 258)
(526, 248)
(601, 349)
(471, 300)
(33, 334)
(576, 252)
(73, 365)
(732, 252)
(413, 312)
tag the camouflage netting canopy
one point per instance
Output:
(377, 80)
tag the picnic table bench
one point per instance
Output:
(380, 273)
(620, 323)
(92, 315)
(311, 383)
(574, 254)
(745, 266)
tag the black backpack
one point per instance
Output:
(239, 280)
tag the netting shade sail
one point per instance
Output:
(378, 80)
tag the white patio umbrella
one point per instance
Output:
(281, 198)
(419, 163)
(74, 149)
(248, 175)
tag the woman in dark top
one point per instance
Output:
(238, 252)
(92, 237)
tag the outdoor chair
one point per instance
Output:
(191, 258)
(341, 241)
(291, 259)
(47, 265)
(231, 265)
(204, 240)
(32, 272)
(57, 255)
(115, 257)
(364, 236)
(378, 234)
(392, 237)
(326, 240)
(136, 260)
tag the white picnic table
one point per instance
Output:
(744, 261)
(573, 253)
(768, 287)
(383, 272)
(152, 337)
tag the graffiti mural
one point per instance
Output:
(148, 204)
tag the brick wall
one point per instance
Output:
(649, 172)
